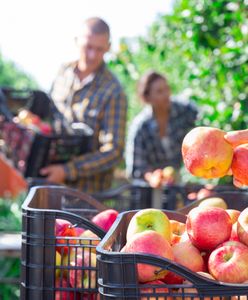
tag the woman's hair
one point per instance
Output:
(146, 81)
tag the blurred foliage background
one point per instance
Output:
(201, 47)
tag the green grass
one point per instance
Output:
(10, 221)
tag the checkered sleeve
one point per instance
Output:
(112, 140)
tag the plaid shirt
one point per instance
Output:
(100, 103)
(145, 149)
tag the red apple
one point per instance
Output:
(105, 219)
(206, 153)
(242, 226)
(45, 128)
(62, 294)
(207, 227)
(149, 219)
(160, 292)
(205, 256)
(84, 277)
(234, 214)
(228, 263)
(149, 242)
(172, 278)
(234, 233)
(64, 228)
(177, 230)
(183, 250)
(239, 165)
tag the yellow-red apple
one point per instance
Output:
(89, 238)
(177, 230)
(169, 175)
(234, 214)
(213, 202)
(206, 153)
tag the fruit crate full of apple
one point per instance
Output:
(35, 134)
(60, 230)
(160, 254)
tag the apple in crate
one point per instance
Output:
(213, 202)
(182, 251)
(83, 274)
(105, 218)
(63, 294)
(149, 242)
(64, 228)
(149, 219)
(154, 292)
(229, 263)
(242, 226)
(177, 230)
(234, 214)
(207, 227)
(234, 233)
(186, 254)
(89, 238)
(206, 153)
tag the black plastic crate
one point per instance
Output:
(118, 278)
(42, 274)
(139, 194)
(29, 150)
(176, 197)
(127, 196)
(234, 200)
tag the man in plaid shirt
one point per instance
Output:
(86, 91)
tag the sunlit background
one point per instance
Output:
(39, 35)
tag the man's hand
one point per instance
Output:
(54, 173)
(237, 137)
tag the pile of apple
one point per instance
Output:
(76, 255)
(159, 177)
(213, 242)
(29, 120)
(208, 154)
